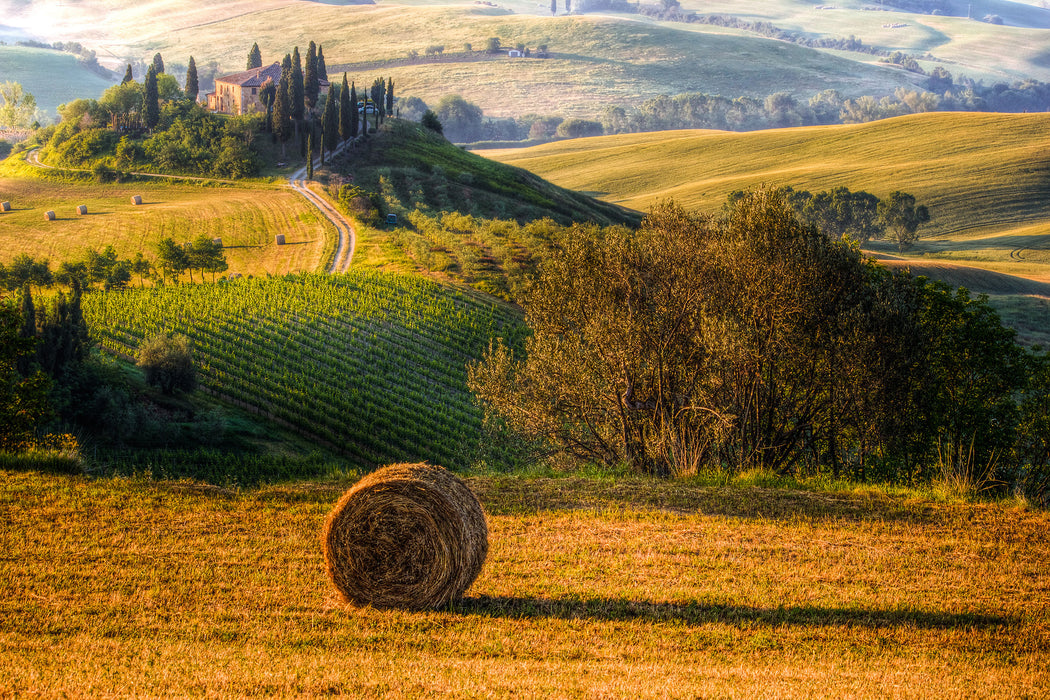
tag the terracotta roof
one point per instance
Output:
(254, 77)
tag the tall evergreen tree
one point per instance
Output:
(158, 64)
(151, 99)
(254, 57)
(322, 69)
(310, 155)
(390, 96)
(282, 108)
(378, 99)
(267, 95)
(192, 87)
(310, 85)
(298, 91)
(329, 124)
(355, 117)
(345, 108)
(128, 77)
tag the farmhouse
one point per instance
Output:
(239, 93)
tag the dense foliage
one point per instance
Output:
(752, 340)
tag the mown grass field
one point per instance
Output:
(592, 588)
(246, 218)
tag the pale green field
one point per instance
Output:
(592, 588)
(52, 77)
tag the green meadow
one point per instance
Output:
(52, 77)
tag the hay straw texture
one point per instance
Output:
(405, 536)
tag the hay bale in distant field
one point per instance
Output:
(82, 209)
(217, 241)
(405, 536)
(49, 215)
(280, 239)
(5, 206)
(137, 199)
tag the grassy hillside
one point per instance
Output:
(245, 218)
(460, 216)
(368, 365)
(52, 77)
(985, 178)
(592, 588)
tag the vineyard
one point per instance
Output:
(369, 364)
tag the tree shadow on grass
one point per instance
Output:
(700, 613)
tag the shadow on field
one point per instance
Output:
(697, 613)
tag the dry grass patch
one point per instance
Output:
(245, 218)
(592, 588)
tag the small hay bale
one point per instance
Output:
(405, 536)
(82, 209)
(5, 206)
(217, 241)
(49, 215)
(280, 239)
(137, 199)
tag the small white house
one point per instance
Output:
(513, 53)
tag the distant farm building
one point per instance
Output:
(239, 93)
(514, 53)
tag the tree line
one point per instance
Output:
(751, 340)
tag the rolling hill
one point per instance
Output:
(52, 77)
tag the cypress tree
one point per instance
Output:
(310, 86)
(345, 120)
(310, 155)
(282, 108)
(158, 64)
(192, 87)
(378, 88)
(390, 96)
(128, 78)
(329, 125)
(355, 124)
(322, 69)
(254, 57)
(150, 99)
(298, 93)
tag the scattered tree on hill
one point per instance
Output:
(150, 99)
(346, 111)
(493, 45)
(205, 255)
(17, 107)
(902, 218)
(311, 87)
(192, 87)
(322, 69)
(431, 121)
(158, 64)
(128, 77)
(839, 212)
(171, 259)
(461, 119)
(254, 57)
(167, 361)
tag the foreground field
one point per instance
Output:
(592, 589)
(245, 218)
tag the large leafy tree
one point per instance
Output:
(902, 217)
(17, 107)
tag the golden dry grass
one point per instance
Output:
(245, 218)
(591, 589)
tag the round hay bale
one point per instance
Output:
(5, 206)
(405, 536)
(280, 239)
(136, 199)
(82, 209)
(49, 215)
